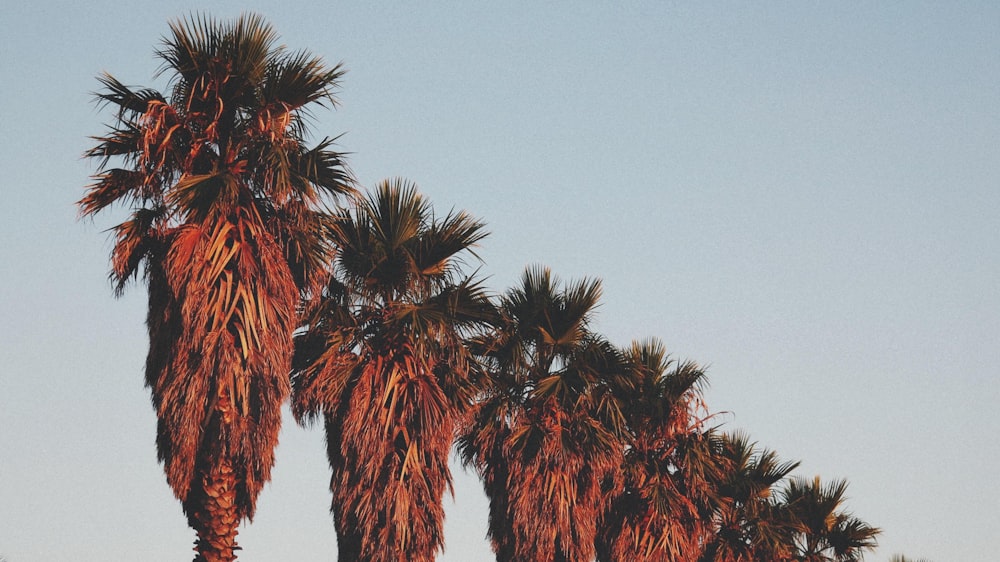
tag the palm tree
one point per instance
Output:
(747, 523)
(382, 360)
(820, 530)
(658, 514)
(545, 436)
(227, 227)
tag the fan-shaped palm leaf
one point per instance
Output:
(383, 360)
(746, 524)
(227, 224)
(657, 513)
(545, 435)
(821, 530)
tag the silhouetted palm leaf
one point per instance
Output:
(821, 530)
(746, 524)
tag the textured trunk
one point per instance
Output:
(348, 539)
(216, 519)
(348, 548)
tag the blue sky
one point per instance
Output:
(802, 196)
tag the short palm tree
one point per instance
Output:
(820, 530)
(545, 436)
(747, 523)
(227, 227)
(658, 513)
(382, 360)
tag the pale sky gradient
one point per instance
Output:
(804, 196)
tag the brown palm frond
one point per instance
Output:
(545, 432)
(228, 240)
(383, 358)
(657, 512)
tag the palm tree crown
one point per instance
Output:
(382, 359)
(657, 512)
(545, 434)
(820, 530)
(227, 226)
(745, 519)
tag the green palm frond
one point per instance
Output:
(746, 524)
(398, 213)
(113, 186)
(202, 195)
(198, 45)
(852, 536)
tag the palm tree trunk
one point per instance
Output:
(348, 548)
(216, 519)
(348, 539)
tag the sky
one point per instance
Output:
(803, 197)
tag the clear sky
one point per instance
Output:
(804, 196)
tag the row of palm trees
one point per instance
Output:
(270, 278)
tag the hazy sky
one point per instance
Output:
(804, 196)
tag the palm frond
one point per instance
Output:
(123, 141)
(112, 186)
(383, 357)
(230, 233)
(130, 103)
(135, 240)
(545, 434)
(299, 79)
(821, 529)
(322, 168)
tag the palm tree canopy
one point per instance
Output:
(746, 522)
(658, 508)
(545, 434)
(663, 394)
(545, 358)
(822, 530)
(228, 224)
(398, 274)
(383, 360)
(227, 144)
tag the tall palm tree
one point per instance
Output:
(820, 530)
(658, 513)
(747, 523)
(545, 436)
(227, 227)
(383, 361)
